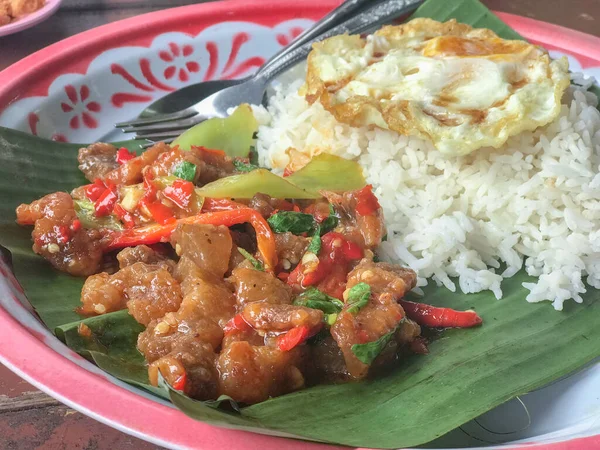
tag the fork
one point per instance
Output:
(252, 89)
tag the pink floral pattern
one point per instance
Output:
(77, 102)
(176, 57)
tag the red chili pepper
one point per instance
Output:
(161, 233)
(63, 233)
(124, 155)
(95, 190)
(293, 338)
(237, 323)
(283, 276)
(436, 317)
(334, 284)
(366, 202)
(160, 213)
(125, 216)
(287, 171)
(210, 151)
(296, 208)
(76, 225)
(220, 204)
(105, 203)
(179, 383)
(180, 192)
(352, 251)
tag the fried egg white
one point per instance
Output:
(460, 87)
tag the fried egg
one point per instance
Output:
(460, 87)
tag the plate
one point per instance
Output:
(77, 89)
(30, 20)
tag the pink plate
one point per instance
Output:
(49, 8)
(77, 89)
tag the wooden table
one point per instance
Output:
(30, 419)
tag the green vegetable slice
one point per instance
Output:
(258, 265)
(315, 299)
(368, 351)
(185, 170)
(87, 217)
(234, 135)
(292, 221)
(358, 297)
(327, 172)
(521, 346)
(249, 184)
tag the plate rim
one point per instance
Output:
(33, 360)
(30, 20)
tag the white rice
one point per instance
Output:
(533, 203)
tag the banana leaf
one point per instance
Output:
(520, 346)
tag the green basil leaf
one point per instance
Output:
(292, 221)
(255, 262)
(315, 243)
(331, 222)
(316, 299)
(242, 166)
(367, 352)
(358, 297)
(185, 170)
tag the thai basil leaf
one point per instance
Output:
(358, 297)
(331, 222)
(242, 166)
(255, 262)
(185, 170)
(315, 243)
(316, 299)
(292, 221)
(366, 353)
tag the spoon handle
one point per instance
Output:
(372, 18)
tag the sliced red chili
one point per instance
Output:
(125, 216)
(179, 383)
(366, 202)
(124, 155)
(95, 190)
(436, 317)
(160, 213)
(293, 338)
(237, 323)
(76, 225)
(287, 171)
(351, 250)
(105, 203)
(180, 192)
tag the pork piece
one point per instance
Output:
(252, 285)
(266, 205)
(148, 291)
(97, 160)
(131, 171)
(382, 315)
(210, 165)
(208, 299)
(196, 361)
(69, 248)
(142, 253)
(252, 374)
(327, 362)
(367, 231)
(208, 246)
(277, 318)
(290, 248)
(387, 280)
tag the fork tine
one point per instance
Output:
(183, 114)
(150, 144)
(159, 136)
(167, 126)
